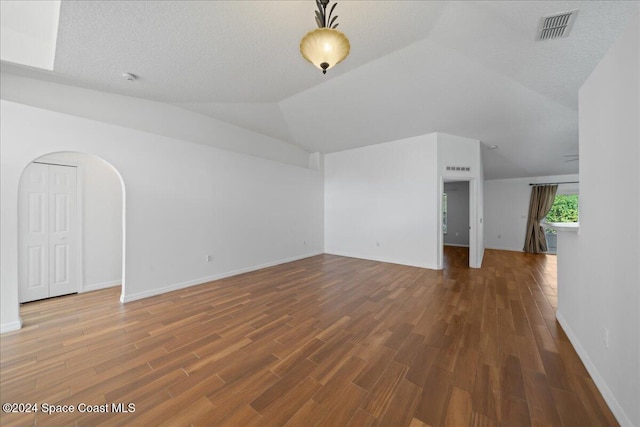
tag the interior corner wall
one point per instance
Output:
(148, 116)
(184, 201)
(381, 202)
(507, 208)
(459, 151)
(481, 208)
(598, 275)
(101, 219)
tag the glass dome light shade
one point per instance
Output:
(324, 47)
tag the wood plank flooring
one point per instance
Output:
(325, 341)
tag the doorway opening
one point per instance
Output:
(71, 228)
(468, 220)
(564, 210)
(456, 223)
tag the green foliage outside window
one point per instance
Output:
(564, 209)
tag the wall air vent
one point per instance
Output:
(556, 26)
(458, 168)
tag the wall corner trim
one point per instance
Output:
(600, 383)
(11, 326)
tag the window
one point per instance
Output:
(564, 209)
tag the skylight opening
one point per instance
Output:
(29, 32)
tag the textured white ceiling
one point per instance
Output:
(221, 51)
(472, 69)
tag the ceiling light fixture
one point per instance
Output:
(325, 46)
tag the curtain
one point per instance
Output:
(542, 197)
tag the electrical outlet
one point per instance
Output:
(499, 236)
(605, 337)
(378, 244)
(209, 258)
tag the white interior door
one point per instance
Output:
(62, 230)
(48, 227)
(34, 233)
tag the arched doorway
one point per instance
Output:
(71, 229)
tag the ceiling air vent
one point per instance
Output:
(459, 168)
(556, 26)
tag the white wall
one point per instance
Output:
(507, 207)
(380, 202)
(148, 116)
(383, 202)
(598, 275)
(457, 213)
(183, 201)
(101, 212)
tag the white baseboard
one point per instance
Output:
(601, 384)
(370, 258)
(201, 280)
(505, 249)
(457, 245)
(11, 326)
(103, 285)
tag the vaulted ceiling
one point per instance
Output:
(473, 69)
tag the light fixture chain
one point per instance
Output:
(321, 14)
(325, 46)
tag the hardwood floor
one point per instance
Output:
(327, 341)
